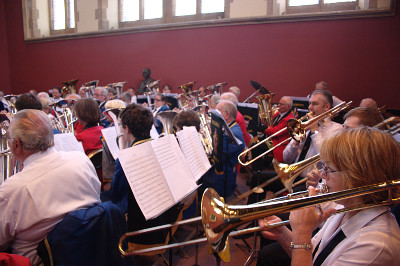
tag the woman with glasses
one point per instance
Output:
(160, 105)
(352, 158)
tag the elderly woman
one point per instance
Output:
(89, 115)
(352, 158)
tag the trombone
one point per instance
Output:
(297, 130)
(220, 219)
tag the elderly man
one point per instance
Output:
(50, 185)
(100, 94)
(229, 160)
(239, 117)
(369, 102)
(280, 121)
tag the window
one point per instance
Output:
(152, 12)
(310, 6)
(62, 16)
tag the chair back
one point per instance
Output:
(86, 237)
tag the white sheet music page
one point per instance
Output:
(67, 142)
(110, 136)
(146, 179)
(193, 151)
(176, 170)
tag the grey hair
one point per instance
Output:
(288, 100)
(228, 106)
(235, 90)
(33, 129)
(103, 90)
(230, 97)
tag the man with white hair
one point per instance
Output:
(239, 117)
(100, 94)
(50, 185)
(280, 121)
(235, 90)
(229, 160)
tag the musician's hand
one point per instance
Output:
(145, 104)
(304, 221)
(273, 233)
(313, 178)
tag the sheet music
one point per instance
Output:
(176, 170)
(146, 179)
(153, 132)
(193, 151)
(110, 136)
(67, 142)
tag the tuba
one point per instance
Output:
(266, 110)
(118, 86)
(89, 87)
(69, 87)
(187, 91)
(166, 119)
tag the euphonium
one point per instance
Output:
(187, 89)
(89, 87)
(69, 87)
(266, 110)
(118, 86)
(205, 134)
(166, 119)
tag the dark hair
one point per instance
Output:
(327, 94)
(58, 88)
(138, 119)
(187, 118)
(88, 110)
(28, 101)
(367, 116)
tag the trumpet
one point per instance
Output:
(297, 130)
(391, 125)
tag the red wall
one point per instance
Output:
(4, 68)
(357, 57)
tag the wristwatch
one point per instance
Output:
(304, 246)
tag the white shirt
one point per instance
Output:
(292, 153)
(34, 200)
(372, 238)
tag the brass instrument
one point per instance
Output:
(69, 87)
(118, 86)
(89, 87)
(10, 99)
(391, 125)
(219, 219)
(187, 89)
(205, 133)
(216, 88)
(297, 129)
(166, 119)
(266, 110)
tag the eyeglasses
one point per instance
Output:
(328, 170)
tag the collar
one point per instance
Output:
(232, 124)
(137, 142)
(36, 156)
(90, 125)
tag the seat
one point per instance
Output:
(86, 237)
(96, 157)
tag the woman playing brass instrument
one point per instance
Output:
(352, 158)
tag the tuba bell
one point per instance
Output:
(69, 87)
(166, 119)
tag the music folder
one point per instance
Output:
(67, 142)
(219, 127)
(159, 174)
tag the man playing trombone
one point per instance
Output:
(353, 158)
(320, 101)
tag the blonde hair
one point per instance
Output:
(365, 156)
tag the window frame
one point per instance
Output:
(168, 16)
(321, 7)
(68, 29)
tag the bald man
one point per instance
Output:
(369, 102)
